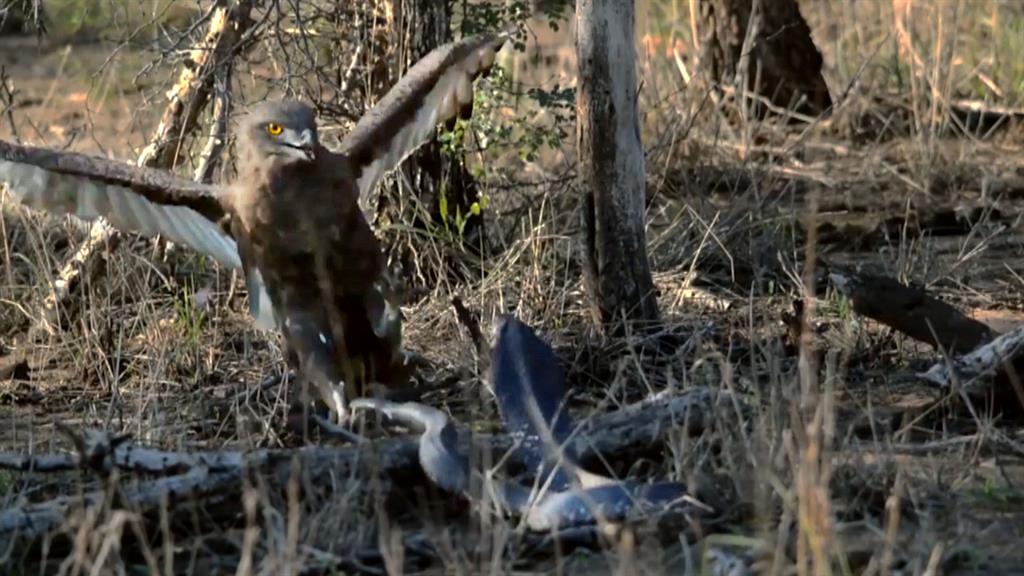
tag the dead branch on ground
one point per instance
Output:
(638, 428)
(977, 371)
(211, 157)
(979, 361)
(228, 24)
(911, 311)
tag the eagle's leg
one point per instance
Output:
(313, 350)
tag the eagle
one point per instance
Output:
(290, 220)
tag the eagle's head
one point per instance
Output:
(283, 131)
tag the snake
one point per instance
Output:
(556, 492)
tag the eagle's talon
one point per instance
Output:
(336, 430)
(340, 412)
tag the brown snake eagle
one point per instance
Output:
(290, 220)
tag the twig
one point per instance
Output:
(7, 99)
(85, 262)
(470, 323)
(211, 156)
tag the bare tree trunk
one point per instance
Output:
(611, 163)
(21, 17)
(783, 65)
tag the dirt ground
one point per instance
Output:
(894, 475)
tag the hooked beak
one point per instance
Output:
(305, 146)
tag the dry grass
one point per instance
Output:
(845, 464)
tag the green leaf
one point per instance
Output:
(442, 206)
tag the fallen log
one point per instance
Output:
(978, 371)
(36, 520)
(603, 438)
(982, 361)
(912, 311)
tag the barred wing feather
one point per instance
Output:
(130, 198)
(437, 89)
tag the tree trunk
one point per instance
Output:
(421, 26)
(611, 164)
(21, 17)
(782, 52)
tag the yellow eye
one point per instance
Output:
(274, 129)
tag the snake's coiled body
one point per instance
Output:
(529, 389)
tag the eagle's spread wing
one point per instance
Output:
(131, 198)
(436, 89)
(260, 305)
(151, 202)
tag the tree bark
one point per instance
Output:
(421, 26)
(783, 64)
(611, 164)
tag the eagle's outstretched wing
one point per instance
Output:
(436, 89)
(152, 202)
(131, 198)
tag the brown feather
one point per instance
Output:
(437, 89)
(322, 266)
(131, 198)
(158, 186)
